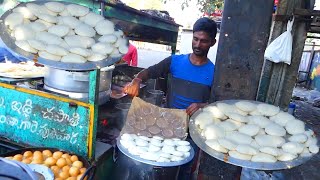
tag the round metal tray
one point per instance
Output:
(85, 162)
(90, 168)
(200, 141)
(9, 42)
(160, 164)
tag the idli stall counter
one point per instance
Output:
(152, 143)
(54, 122)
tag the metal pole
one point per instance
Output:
(94, 108)
(308, 84)
(102, 5)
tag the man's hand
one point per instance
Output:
(38, 65)
(194, 107)
(122, 61)
(132, 88)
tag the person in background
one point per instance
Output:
(132, 56)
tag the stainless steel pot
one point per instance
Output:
(78, 82)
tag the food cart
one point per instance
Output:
(55, 118)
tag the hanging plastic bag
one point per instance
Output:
(279, 50)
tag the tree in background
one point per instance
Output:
(205, 6)
(144, 4)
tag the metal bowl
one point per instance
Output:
(9, 42)
(200, 141)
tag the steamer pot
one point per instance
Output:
(76, 81)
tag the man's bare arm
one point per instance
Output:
(133, 88)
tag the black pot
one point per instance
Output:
(127, 169)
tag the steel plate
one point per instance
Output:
(160, 164)
(9, 42)
(8, 75)
(200, 142)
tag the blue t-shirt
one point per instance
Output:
(183, 71)
(181, 67)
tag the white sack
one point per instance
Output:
(279, 50)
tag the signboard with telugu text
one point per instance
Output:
(42, 121)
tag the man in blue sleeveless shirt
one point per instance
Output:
(190, 76)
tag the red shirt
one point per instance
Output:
(132, 56)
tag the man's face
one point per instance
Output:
(201, 43)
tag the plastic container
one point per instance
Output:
(291, 108)
(123, 109)
(154, 97)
